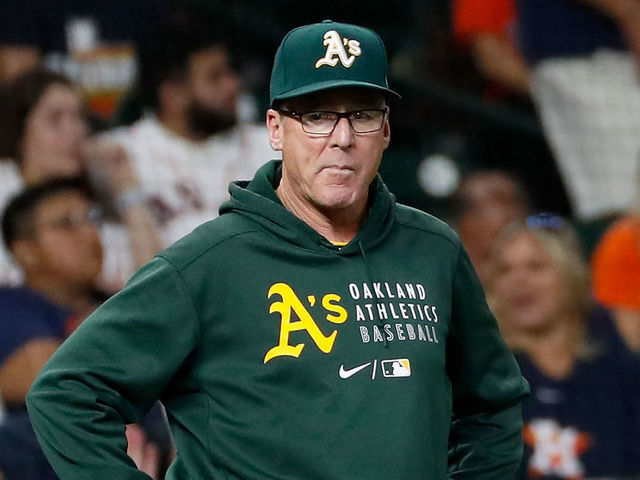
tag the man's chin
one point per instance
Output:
(339, 199)
(204, 123)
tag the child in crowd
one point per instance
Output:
(51, 231)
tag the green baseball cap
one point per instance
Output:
(328, 55)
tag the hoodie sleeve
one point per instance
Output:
(109, 372)
(485, 441)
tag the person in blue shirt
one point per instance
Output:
(50, 229)
(583, 417)
(584, 57)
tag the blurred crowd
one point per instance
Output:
(123, 123)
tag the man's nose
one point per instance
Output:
(343, 134)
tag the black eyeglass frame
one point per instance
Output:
(94, 215)
(339, 116)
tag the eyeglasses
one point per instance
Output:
(547, 221)
(76, 220)
(323, 123)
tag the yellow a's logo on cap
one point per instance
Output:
(336, 50)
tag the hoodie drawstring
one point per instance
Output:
(375, 298)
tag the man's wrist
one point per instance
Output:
(131, 197)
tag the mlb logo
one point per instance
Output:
(399, 367)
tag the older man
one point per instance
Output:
(315, 330)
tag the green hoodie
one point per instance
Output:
(281, 356)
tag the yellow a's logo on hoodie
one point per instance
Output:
(290, 304)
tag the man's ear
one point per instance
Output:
(387, 132)
(275, 128)
(24, 254)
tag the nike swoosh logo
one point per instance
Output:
(352, 371)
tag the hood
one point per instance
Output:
(258, 201)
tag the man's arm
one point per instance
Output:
(31, 330)
(500, 62)
(627, 321)
(16, 60)
(19, 370)
(482, 26)
(626, 14)
(109, 372)
(19, 33)
(113, 175)
(614, 8)
(485, 442)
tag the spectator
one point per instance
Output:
(42, 135)
(190, 145)
(43, 129)
(615, 267)
(45, 135)
(576, 364)
(50, 229)
(487, 28)
(584, 58)
(485, 202)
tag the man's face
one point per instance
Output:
(329, 173)
(65, 245)
(213, 88)
(55, 132)
(492, 202)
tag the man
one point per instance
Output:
(192, 141)
(485, 202)
(316, 329)
(584, 58)
(50, 233)
(50, 229)
(487, 29)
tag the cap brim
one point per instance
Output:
(331, 84)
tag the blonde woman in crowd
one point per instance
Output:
(583, 417)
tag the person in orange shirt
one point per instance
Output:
(615, 271)
(486, 28)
